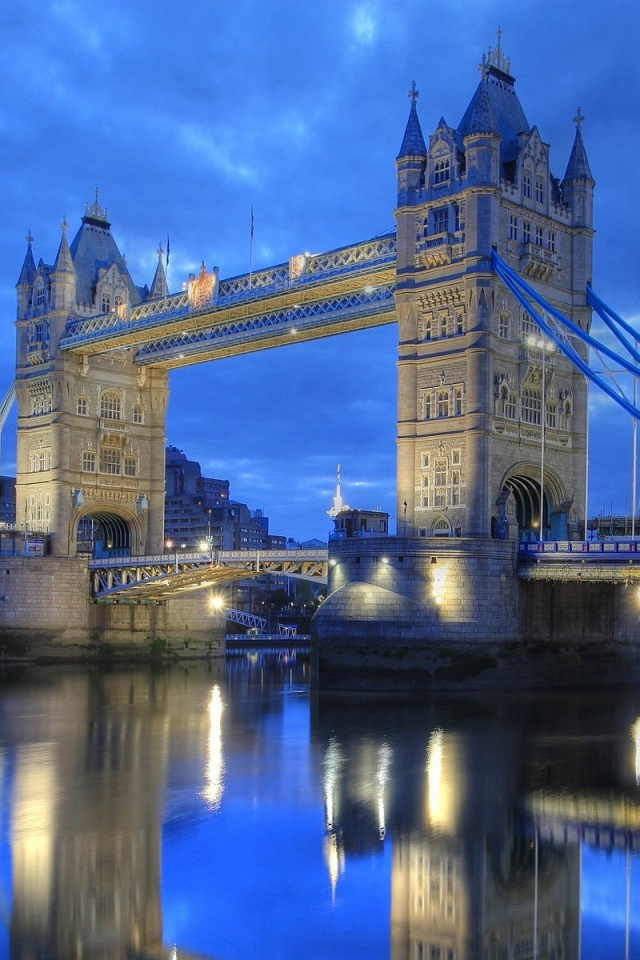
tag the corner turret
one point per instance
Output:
(63, 276)
(159, 288)
(411, 161)
(24, 285)
(578, 183)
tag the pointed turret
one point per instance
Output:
(159, 288)
(578, 183)
(63, 275)
(578, 167)
(413, 144)
(482, 137)
(411, 162)
(24, 285)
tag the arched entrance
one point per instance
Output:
(102, 534)
(529, 512)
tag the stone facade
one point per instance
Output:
(471, 360)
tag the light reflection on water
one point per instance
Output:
(219, 810)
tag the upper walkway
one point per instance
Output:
(608, 561)
(312, 296)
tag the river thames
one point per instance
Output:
(222, 810)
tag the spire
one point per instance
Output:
(159, 288)
(64, 261)
(578, 167)
(338, 503)
(482, 117)
(413, 144)
(28, 271)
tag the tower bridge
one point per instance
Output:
(492, 400)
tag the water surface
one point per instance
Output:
(221, 810)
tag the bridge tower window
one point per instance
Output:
(110, 460)
(82, 406)
(441, 170)
(442, 409)
(110, 406)
(130, 467)
(531, 406)
(441, 220)
(88, 461)
(138, 413)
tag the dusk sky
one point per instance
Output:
(185, 116)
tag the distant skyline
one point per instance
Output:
(188, 119)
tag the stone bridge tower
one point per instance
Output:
(91, 430)
(487, 409)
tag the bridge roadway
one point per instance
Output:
(312, 296)
(160, 577)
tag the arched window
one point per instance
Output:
(106, 303)
(110, 405)
(441, 170)
(531, 406)
(457, 402)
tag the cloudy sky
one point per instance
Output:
(187, 115)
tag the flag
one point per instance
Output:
(168, 248)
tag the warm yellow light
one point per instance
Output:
(214, 773)
(217, 602)
(635, 734)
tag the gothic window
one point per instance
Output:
(459, 324)
(531, 406)
(440, 484)
(539, 190)
(444, 324)
(457, 402)
(441, 220)
(106, 303)
(110, 460)
(504, 325)
(529, 326)
(455, 488)
(552, 415)
(539, 235)
(513, 227)
(424, 461)
(457, 217)
(39, 296)
(551, 241)
(426, 404)
(89, 461)
(456, 458)
(442, 405)
(40, 460)
(441, 170)
(130, 467)
(510, 406)
(428, 324)
(526, 231)
(82, 406)
(110, 405)
(425, 490)
(526, 184)
(138, 413)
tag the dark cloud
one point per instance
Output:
(186, 116)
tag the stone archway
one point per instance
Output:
(101, 533)
(524, 509)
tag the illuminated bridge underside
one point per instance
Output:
(603, 821)
(348, 289)
(155, 579)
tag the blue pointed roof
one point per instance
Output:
(93, 247)
(28, 271)
(496, 96)
(413, 144)
(64, 261)
(578, 166)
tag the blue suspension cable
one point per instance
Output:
(515, 283)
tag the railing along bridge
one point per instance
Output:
(311, 296)
(161, 577)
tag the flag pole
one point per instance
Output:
(167, 264)
(251, 249)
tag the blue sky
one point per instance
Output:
(187, 115)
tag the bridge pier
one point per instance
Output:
(46, 612)
(423, 614)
